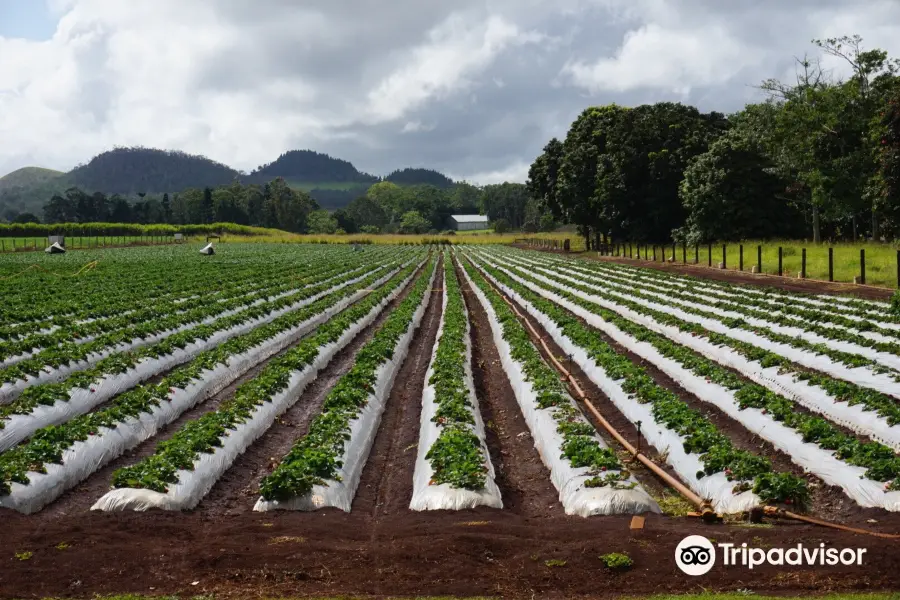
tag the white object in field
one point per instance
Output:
(55, 248)
(208, 249)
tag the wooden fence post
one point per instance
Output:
(740, 257)
(724, 257)
(831, 264)
(862, 266)
(684, 253)
(803, 265)
(759, 259)
(780, 255)
(709, 250)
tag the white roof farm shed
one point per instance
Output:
(468, 222)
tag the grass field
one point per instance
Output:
(881, 259)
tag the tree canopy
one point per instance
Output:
(819, 156)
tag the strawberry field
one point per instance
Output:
(427, 420)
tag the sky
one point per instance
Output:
(471, 88)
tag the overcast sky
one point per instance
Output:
(471, 88)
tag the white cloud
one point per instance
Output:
(657, 58)
(455, 51)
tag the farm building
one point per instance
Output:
(468, 222)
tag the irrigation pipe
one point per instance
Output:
(706, 511)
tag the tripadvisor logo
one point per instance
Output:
(696, 555)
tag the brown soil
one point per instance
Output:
(809, 286)
(380, 548)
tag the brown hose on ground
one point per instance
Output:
(773, 511)
(706, 509)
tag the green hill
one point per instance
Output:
(28, 176)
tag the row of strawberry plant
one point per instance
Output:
(453, 468)
(838, 305)
(184, 468)
(887, 328)
(867, 411)
(84, 370)
(146, 325)
(811, 441)
(72, 329)
(58, 457)
(825, 326)
(71, 352)
(54, 403)
(120, 281)
(846, 365)
(873, 307)
(323, 468)
(687, 438)
(588, 475)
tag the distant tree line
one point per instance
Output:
(274, 205)
(385, 207)
(820, 158)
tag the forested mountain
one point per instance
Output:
(134, 170)
(309, 166)
(130, 172)
(411, 176)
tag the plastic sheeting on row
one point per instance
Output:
(662, 294)
(339, 493)
(862, 376)
(821, 462)
(152, 339)
(576, 498)
(672, 306)
(19, 427)
(813, 397)
(11, 391)
(443, 496)
(716, 487)
(83, 458)
(193, 485)
(731, 294)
